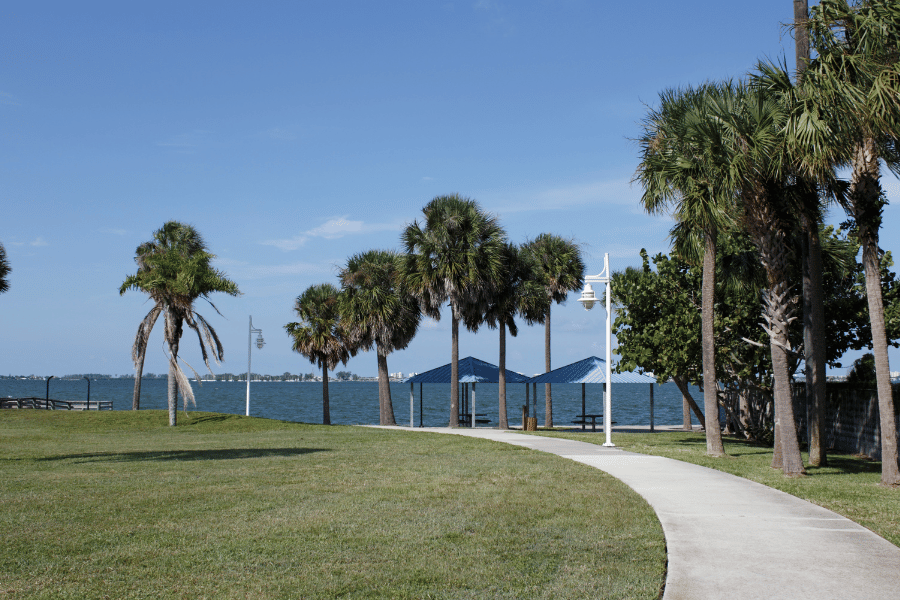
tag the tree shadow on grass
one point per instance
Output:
(186, 455)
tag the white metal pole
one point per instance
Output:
(249, 345)
(607, 409)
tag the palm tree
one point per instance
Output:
(320, 334)
(754, 124)
(683, 169)
(454, 255)
(175, 272)
(809, 148)
(171, 235)
(516, 292)
(559, 269)
(4, 270)
(855, 76)
(378, 311)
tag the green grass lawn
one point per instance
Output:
(118, 505)
(848, 485)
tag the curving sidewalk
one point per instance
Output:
(729, 537)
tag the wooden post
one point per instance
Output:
(583, 411)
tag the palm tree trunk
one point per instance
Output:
(865, 198)
(326, 409)
(714, 446)
(801, 35)
(548, 395)
(385, 406)
(814, 341)
(172, 393)
(454, 373)
(504, 422)
(139, 372)
(778, 314)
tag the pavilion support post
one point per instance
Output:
(651, 408)
(421, 415)
(473, 405)
(527, 405)
(412, 399)
(583, 410)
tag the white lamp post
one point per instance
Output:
(260, 342)
(588, 300)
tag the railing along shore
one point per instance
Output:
(52, 404)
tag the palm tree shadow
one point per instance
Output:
(186, 455)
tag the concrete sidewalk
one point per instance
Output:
(729, 537)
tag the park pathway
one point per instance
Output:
(731, 538)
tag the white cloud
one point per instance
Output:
(332, 229)
(277, 133)
(185, 142)
(244, 270)
(615, 191)
(38, 241)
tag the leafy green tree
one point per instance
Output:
(175, 269)
(684, 169)
(320, 335)
(453, 256)
(378, 312)
(5, 270)
(559, 269)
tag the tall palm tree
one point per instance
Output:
(4, 270)
(452, 256)
(809, 150)
(171, 235)
(378, 311)
(516, 292)
(559, 269)
(857, 79)
(175, 273)
(754, 125)
(684, 169)
(320, 335)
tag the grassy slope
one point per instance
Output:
(849, 486)
(118, 505)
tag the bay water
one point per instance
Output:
(356, 403)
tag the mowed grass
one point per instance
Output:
(118, 505)
(848, 485)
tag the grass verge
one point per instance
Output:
(848, 486)
(118, 505)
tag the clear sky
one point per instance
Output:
(294, 134)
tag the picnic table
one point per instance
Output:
(583, 419)
(480, 418)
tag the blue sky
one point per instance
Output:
(295, 134)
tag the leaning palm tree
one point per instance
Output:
(753, 123)
(176, 276)
(4, 270)
(683, 169)
(379, 312)
(320, 335)
(856, 77)
(452, 256)
(172, 235)
(559, 269)
(517, 292)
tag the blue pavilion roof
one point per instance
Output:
(471, 370)
(589, 370)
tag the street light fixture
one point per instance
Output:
(260, 342)
(588, 300)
